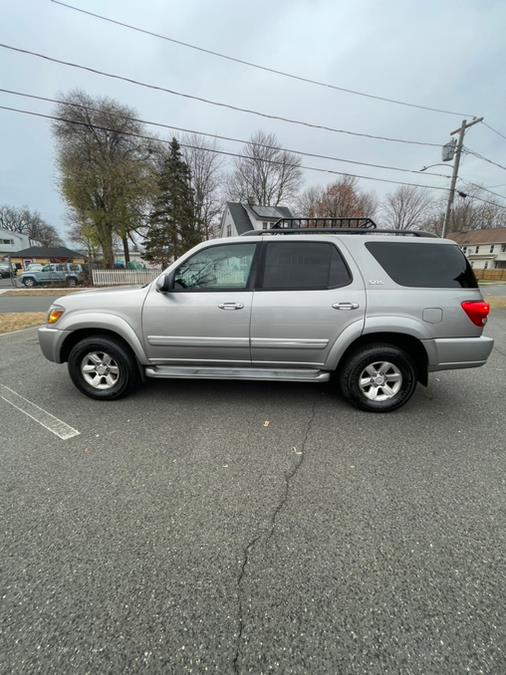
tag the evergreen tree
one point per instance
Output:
(173, 227)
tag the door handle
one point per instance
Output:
(345, 305)
(231, 305)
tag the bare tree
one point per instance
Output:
(265, 174)
(407, 208)
(340, 199)
(468, 212)
(206, 179)
(28, 222)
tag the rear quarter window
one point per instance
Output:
(423, 265)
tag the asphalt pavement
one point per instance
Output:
(219, 527)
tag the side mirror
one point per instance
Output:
(166, 283)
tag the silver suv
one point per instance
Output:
(376, 311)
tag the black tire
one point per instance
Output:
(128, 374)
(370, 356)
(29, 282)
(72, 282)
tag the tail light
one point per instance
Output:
(477, 311)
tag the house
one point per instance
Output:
(240, 218)
(10, 242)
(44, 255)
(485, 249)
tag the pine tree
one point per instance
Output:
(173, 227)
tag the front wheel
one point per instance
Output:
(378, 378)
(29, 282)
(102, 368)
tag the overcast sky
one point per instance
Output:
(447, 55)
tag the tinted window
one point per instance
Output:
(215, 268)
(303, 265)
(424, 265)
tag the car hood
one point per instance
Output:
(103, 298)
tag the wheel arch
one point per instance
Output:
(410, 344)
(79, 334)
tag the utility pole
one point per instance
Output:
(456, 162)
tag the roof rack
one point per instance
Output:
(338, 230)
(329, 222)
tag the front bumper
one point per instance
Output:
(51, 341)
(449, 353)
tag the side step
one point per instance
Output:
(213, 373)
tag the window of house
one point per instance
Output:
(485, 266)
(492, 248)
(9, 242)
(229, 230)
(477, 248)
(223, 267)
(265, 226)
(464, 249)
(503, 248)
(303, 266)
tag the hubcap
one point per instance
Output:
(100, 370)
(380, 381)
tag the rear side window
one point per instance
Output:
(303, 266)
(424, 265)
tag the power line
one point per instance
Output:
(268, 69)
(486, 201)
(224, 138)
(485, 159)
(214, 150)
(499, 133)
(481, 187)
(219, 104)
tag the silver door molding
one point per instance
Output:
(284, 343)
(196, 341)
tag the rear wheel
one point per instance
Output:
(29, 282)
(102, 368)
(378, 378)
(72, 281)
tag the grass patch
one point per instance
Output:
(496, 303)
(18, 320)
(37, 292)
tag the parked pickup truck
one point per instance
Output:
(65, 274)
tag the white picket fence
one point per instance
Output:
(123, 277)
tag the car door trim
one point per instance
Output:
(290, 343)
(196, 341)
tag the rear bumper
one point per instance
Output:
(449, 353)
(51, 340)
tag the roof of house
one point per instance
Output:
(270, 212)
(241, 214)
(47, 252)
(240, 217)
(495, 235)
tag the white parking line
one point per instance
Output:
(35, 412)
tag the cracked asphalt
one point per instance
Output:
(178, 533)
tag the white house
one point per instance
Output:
(10, 242)
(239, 218)
(485, 249)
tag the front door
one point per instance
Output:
(306, 296)
(205, 319)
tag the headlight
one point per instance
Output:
(54, 314)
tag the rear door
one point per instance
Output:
(307, 294)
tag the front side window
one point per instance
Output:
(216, 268)
(303, 266)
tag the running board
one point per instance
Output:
(212, 373)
